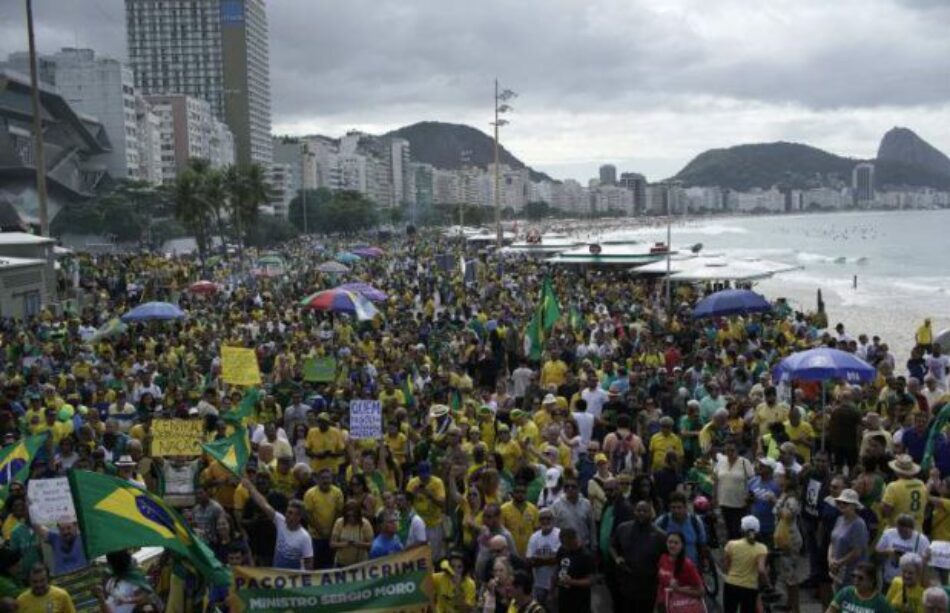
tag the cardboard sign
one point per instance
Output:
(366, 419)
(177, 437)
(239, 366)
(50, 501)
(319, 370)
(940, 554)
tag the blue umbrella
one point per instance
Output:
(822, 364)
(731, 302)
(153, 311)
(345, 257)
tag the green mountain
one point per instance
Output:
(451, 146)
(907, 161)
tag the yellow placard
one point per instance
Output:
(239, 366)
(177, 437)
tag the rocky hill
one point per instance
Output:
(451, 145)
(904, 159)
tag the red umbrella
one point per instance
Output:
(204, 287)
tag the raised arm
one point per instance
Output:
(259, 499)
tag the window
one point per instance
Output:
(31, 303)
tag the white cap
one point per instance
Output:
(551, 477)
(549, 399)
(749, 524)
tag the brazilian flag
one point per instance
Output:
(232, 451)
(115, 514)
(15, 460)
(245, 409)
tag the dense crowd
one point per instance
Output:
(644, 450)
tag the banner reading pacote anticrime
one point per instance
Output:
(399, 582)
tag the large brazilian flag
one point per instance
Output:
(232, 451)
(15, 461)
(115, 514)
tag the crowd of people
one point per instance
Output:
(640, 449)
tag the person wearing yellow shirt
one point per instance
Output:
(801, 433)
(282, 476)
(44, 597)
(453, 590)
(390, 395)
(326, 446)
(527, 433)
(396, 443)
(663, 442)
(554, 371)
(508, 448)
(906, 494)
(770, 411)
(520, 517)
(544, 416)
(429, 501)
(323, 504)
(924, 335)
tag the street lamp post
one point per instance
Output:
(501, 97)
(39, 161)
(303, 183)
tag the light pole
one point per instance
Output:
(40, 161)
(303, 182)
(500, 107)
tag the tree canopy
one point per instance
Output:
(333, 212)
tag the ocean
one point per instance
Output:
(901, 260)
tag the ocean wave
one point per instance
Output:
(820, 258)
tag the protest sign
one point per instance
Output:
(366, 419)
(50, 501)
(239, 366)
(177, 437)
(319, 370)
(940, 554)
(399, 582)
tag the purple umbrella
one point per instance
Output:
(369, 252)
(366, 290)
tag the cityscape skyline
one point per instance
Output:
(694, 84)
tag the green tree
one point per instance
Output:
(334, 212)
(316, 199)
(199, 199)
(269, 230)
(537, 210)
(246, 189)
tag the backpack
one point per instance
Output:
(693, 521)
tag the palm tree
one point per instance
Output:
(247, 190)
(198, 200)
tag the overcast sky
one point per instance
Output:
(645, 85)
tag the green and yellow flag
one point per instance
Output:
(231, 451)
(545, 316)
(15, 460)
(115, 514)
(245, 409)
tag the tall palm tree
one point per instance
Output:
(247, 190)
(199, 197)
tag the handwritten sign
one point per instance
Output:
(366, 419)
(940, 554)
(50, 501)
(319, 370)
(239, 366)
(177, 437)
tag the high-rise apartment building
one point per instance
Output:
(862, 182)
(636, 183)
(215, 50)
(189, 130)
(608, 174)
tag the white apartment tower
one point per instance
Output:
(103, 88)
(215, 50)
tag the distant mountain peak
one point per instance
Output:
(452, 146)
(904, 146)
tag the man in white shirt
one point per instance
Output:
(585, 422)
(937, 366)
(595, 397)
(542, 554)
(415, 527)
(897, 541)
(521, 377)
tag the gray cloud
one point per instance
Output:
(618, 79)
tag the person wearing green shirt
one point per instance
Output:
(26, 543)
(862, 597)
(10, 584)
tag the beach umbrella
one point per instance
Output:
(943, 339)
(369, 252)
(153, 311)
(823, 364)
(367, 290)
(346, 257)
(731, 302)
(341, 301)
(333, 268)
(204, 287)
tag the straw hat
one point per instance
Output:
(904, 465)
(125, 461)
(439, 410)
(850, 497)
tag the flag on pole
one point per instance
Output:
(115, 514)
(231, 451)
(577, 320)
(15, 460)
(545, 316)
(942, 418)
(245, 409)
